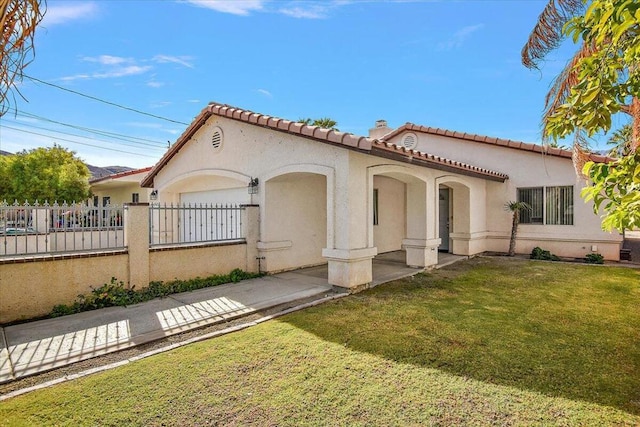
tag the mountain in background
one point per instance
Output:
(95, 171)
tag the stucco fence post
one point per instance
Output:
(136, 239)
(251, 224)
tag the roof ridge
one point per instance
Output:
(518, 145)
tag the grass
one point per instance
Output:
(485, 342)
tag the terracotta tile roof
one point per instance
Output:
(389, 150)
(120, 175)
(327, 136)
(558, 152)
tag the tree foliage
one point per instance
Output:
(616, 189)
(18, 21)
(323, 122)
(43, 174)
(600, 81)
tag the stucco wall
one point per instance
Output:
(392, 218)
(121, 194)
(189, 263)
(31, 289)
(526, 169)
(296, 221)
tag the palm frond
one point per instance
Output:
(547, 34)
(581, 153)
(18, 21)
(561, 86)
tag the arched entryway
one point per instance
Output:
(402, 214)
(454, 215)
(294, 219)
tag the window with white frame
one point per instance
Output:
(549, 205)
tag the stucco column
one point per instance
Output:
(421, 243)
(251, 225)
(350, 257)
(136, 238)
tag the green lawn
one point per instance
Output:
(485, 342)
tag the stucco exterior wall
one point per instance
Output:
(526, 169)
(295, 221)
(189, 263)
(32, 289)
(121, 194)
(392, 218)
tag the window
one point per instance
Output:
(375, 206)
(135, 198)
(532, 197)
(106, 201)
(550, 205)
(559, 205)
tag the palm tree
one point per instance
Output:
(621, 141)
(546, 36)
(515, 208)
(323, 122)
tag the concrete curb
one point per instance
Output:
(210, 335)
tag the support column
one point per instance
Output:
(421, 243)
(136, 239)
(350, 269)
(350, 256)
(251, 224)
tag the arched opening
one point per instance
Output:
(294, 222)
(454, 217)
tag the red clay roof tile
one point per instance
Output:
(347, 140)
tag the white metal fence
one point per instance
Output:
(194, 223)
(27, 229)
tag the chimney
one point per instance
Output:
(379, 130)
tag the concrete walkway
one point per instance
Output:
(38, 346)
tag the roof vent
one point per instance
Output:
(410, 141)
(381, 123)
(216, 138)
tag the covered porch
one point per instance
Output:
(386, 267)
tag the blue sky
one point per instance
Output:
(448, 64)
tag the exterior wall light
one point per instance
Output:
(153, 195)
(253, 186)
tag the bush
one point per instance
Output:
(594, 259)
(539, 253)
(115, 293)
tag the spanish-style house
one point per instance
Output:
(120, 188)
(330, 197)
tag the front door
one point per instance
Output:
(443, 218)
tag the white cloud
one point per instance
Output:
(459, 37)
(295, 9)
(107, 59)
(181, 60)
(309, 12)
(265, 92)
(194, 101)
(130, 70)
(65, 12)
(235, 7)
(155, 84)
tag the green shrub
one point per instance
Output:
(594, 259)
(539, 253)
(115, 293)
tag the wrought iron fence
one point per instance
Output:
(27, 229)
(179, 224)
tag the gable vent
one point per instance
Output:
(216, 138)
(409, 141)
